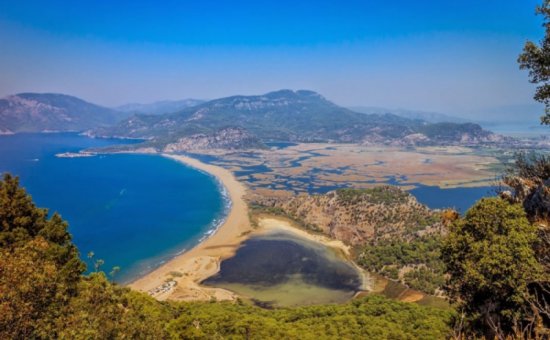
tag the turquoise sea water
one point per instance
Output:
(133, 211)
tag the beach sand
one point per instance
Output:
(273, 224)
(190, 268)
(195, 265)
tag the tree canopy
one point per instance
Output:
(536, 59)
(491, 262)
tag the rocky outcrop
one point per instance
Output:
(358, 216)
(533, 194)
(230, 138)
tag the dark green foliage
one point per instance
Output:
(536, 59)
(373, 317)
(422, 254)
(19, 218)
(102, 310)
(491, 262)
(425, 279)
(376, 195)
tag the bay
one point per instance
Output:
(134, 211)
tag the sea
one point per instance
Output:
(132, 211)
(137, 211)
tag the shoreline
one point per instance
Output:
(204, 259)
(271, 223)
(181, 275)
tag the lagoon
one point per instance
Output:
(281, 268)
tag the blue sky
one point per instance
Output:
(457, 57)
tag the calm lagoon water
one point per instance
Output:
(283, 269)
(133, 211)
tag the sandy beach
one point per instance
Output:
(202, 261)
(179, 278)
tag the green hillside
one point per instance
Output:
(285, 115)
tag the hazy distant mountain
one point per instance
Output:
(281, 115)
(430, 117)
(286, 115)
(38, 112)
(160, 107)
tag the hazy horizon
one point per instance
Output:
(457, 59)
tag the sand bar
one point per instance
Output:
(204, 259)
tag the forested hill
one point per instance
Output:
(299, 116)
(391, 232)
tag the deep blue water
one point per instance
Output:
(132, 211)
(458, 198)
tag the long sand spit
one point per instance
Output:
(190, 268)
(202, 261)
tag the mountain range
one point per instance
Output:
(296, 116)
(284, 115)
(41, 112)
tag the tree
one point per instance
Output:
(21, 221)
(39, 266)
(31, 292)
(42, 291)
(491, 263)
(536, 59)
